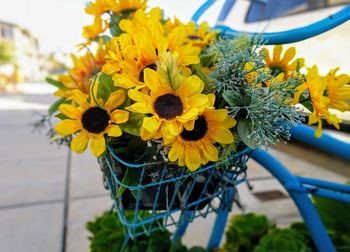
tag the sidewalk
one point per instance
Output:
(33, 177)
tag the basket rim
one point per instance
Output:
(246, 151)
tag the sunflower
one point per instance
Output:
(139, 52)
(81, 74)
(92, 121)
(122, 7)
(283, 65)
(338, 90)
(196, 147)
(171, 106)
(316, 86)
(200, 36)
(91, 32)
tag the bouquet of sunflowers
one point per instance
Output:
(156, 90)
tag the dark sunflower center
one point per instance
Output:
(194, 37)
(168, 106)
(95, 120)
(198, 132)
(276, 70)
(151, 66)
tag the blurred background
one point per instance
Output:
(45, 201)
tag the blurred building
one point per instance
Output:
(25, 61)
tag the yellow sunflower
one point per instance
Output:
(90, 32)
(338, 90)
(196, 147)
(92, 121)
(122, 7)
(138, 52)
(81, 74)
(283, 65)
(316, 86)
(171, 106)
(200, 36)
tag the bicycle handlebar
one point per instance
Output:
(283, 37)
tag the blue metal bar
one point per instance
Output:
(181, 228)
(327, 143)
(324, 184)
(203, 8)
(301, 200)
(319, 192)
(220, 221)
(226, 10)
(284, 37)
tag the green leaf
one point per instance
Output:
(105, 86)
(244, 130)
(131, 178)
(177, 246)
(197, 249)
(55, 83)
(54, 107)
(109, 223)
(62, 116)
(114, 25)
(133, 125)
(104, 39)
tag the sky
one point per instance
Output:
(58, 23)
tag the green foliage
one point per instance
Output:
(105, 86)
(54, 107)
(245, 231)
(107, 235)
(55, 83)
(282, 240)
(133, 125)
(334, 214)
(131, 178)
(264, 117)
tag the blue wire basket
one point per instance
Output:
(166, 194)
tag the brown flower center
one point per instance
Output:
(168, 106)
(95, 120)
(151, 66)
(198, 132)
(194, 37)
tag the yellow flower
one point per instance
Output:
(171, 106)
(196, 147)
(200, 36)
(316, 86)
(125, 7)
(338, 90)
(91, 32)
(122, 7)
(92, 121)
(81, 74)
(99, 7)
(138, 52)
(283, 65)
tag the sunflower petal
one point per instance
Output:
(120, 116)
(210, 152)
(277, 50)
(222, 135)
(115, 99)
(218, 115)
(139, 107)
(174, 128)
(79, 98)
(190, 86)
(151, 79)
(267, 55)
(138, 96)
(70, 111)
(289, 55)
(67, 127)
(199, 100)
(97, 145)
(176, 152)
(191, 114)
(192, 159)
(151, 124)
(114, 131)
(80, 142)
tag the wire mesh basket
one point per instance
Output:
(170, 194)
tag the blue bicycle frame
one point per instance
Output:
(284, 37)
(299, 188)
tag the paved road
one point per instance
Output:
(33, 177)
